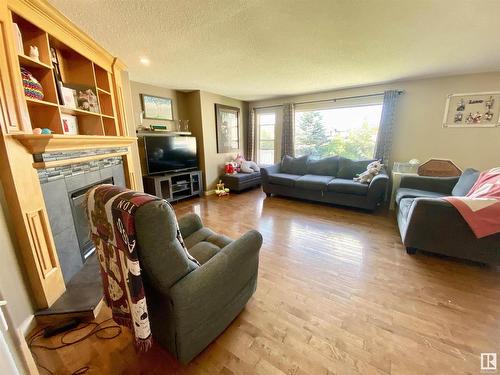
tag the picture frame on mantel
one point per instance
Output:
(472, 110)
(227, 122)
(157, 107)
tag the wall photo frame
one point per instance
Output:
(472, 110)
(227, 122)
(157, 107)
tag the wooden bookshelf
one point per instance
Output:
(80, 62)
(76, 72)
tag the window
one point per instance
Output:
(266, 134)
(346, 131)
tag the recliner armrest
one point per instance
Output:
(209, 288)
(188, 224)
(442, 185)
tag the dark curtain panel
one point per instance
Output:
(288, 130)
(250, 149)
(386, 128)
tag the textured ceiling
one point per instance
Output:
(254, 49)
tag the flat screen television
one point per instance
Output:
(170, 153)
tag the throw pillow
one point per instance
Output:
(465, 182)
(349, 169)
(294, 165)
(324, 167)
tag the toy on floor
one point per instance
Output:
(230, 168)
(245, 166)
(372, 170)
(221, 190)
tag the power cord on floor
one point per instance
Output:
(99, 330)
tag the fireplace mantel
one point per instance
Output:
(40, 143)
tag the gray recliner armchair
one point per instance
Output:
(189, 305)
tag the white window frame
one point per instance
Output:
(278, 112)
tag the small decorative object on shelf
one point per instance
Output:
(87, 101)
(183, 125)
(46, 131)
(32, 88)
(18, 39)
(34, 54)
(37, 131)
(70, 124)
(221, 190)
(68, 96)
(159, 127)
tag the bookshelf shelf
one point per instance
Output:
(36, 102)
(27, 61)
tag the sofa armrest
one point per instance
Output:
(432, 221)
(378, 187)
(442, 185)
(266, 171)
(206, 290)
(188, 224)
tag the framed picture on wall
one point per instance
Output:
(474, 110)
(227, 122)
(156, 107)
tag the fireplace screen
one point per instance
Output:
(80, 219)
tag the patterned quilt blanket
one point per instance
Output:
(480, 208)
(111, 211)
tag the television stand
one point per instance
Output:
(174, 186)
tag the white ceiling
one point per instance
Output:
(255, 49)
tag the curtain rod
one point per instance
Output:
(345, 97)
(330, 100)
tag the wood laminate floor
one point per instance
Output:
(337, 294)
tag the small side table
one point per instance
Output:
(396, 181)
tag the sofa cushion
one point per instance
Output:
(415, 193)
(198, 236)
(294, 165)
(203, 251)
(340, 185)
(465, 182)
(284, 179)
(351, 168)
(324, 167)
(313, 182)
(404, 206)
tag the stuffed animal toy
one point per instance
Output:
(245, 166)
(230, 168)
(372, 170)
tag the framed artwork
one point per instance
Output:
(227, 122)
(474, 110)
(157, 108)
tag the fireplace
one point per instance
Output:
(64, 191)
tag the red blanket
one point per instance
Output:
(480, 208)
(111, 211)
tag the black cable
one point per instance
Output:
(97, 328)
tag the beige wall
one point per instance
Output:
(214, 162)
(199, 108)
(419, 132)
(131, 124)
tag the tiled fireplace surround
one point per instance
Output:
(59, 184)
